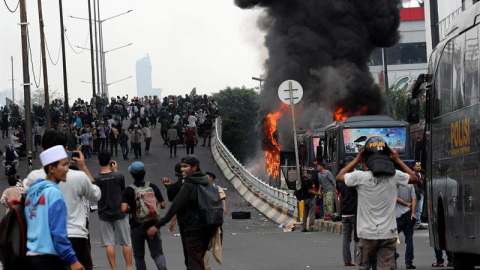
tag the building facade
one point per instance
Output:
(408, 58)
(144, 76)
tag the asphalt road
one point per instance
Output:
(256, 243)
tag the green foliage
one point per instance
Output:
(239, 110)
(398, 101)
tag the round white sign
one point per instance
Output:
(284, 92)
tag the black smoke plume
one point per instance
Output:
(325, 46)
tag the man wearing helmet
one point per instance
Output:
(377, 197)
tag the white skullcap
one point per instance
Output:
(53, 154)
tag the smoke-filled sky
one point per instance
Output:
(204, 44)
(325, 46)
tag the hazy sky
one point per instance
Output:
(204, 44)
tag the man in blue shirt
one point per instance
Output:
(46, 212)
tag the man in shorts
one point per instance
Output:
(377, 199)
(114, 225)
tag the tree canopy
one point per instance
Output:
(239, 110)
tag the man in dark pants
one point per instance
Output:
(138, 230)
(309, 203)
(349, 210)
(172, 191)
(405, 212)
(197, 236)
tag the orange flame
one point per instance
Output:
(272, 154)
(342, 114)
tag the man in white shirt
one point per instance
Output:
(78, 186)
(377, 198)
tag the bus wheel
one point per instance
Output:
(463, 261)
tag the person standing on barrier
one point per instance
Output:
(377, 198)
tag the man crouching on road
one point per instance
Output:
(377, 198)
(197, 236)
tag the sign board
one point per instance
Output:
(284, 92)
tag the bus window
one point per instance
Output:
(443, 81)
(457, 76)
(471, 66)
(334, 149)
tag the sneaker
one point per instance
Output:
(411, 266)
(304, 230)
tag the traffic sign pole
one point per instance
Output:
(292, 105)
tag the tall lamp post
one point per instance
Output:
(102, 53)
(260, 80)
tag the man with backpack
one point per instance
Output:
(48, 246)
(143, 200)
(79, 186)
(198, 231)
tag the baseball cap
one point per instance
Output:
(178, 169)
(136, 167)
(191, 160)
(377, 157)
(211, 174)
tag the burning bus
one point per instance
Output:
(343, 139)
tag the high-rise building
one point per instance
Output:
(144, 77)
(408, 58)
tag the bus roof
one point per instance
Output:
(464, 21)
(368, 121)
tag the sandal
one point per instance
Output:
(437, 264)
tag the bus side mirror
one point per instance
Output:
(413, 111)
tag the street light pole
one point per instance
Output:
(95, 21)
(91, 47)
(259, 80)
(104, 83)
(13, 84)
(66, 107)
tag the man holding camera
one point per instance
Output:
(114, 226)
(78, 185)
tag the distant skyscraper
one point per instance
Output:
(144, 77)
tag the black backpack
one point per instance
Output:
(13, 237)
(302, 193)
(210, 206)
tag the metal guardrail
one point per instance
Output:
(272, 193)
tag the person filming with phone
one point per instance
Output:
(79, 184)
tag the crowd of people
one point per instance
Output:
(63, 192)
(60, 190)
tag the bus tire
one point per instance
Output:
(463, 261)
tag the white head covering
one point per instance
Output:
(53, 154)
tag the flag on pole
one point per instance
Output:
(8, 101)
(193, 92)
